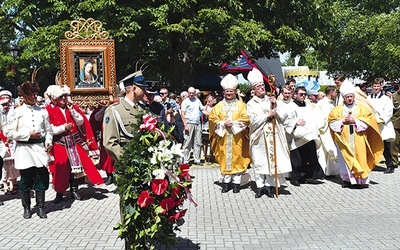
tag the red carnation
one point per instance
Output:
(177, 216)
(145, 199)
(159, 186)
(167, 204)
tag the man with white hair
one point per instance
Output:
(184, 95)
(269, 152)
(356, 134)
(228, 130)
(71, 135)
(191, 110)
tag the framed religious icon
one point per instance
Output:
(88, 65)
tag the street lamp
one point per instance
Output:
(14, 49)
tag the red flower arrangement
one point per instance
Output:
(153, 187)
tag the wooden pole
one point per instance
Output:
(271, 82)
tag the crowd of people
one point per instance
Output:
(288, 133)
(303, 135)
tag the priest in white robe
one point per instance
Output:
(269, 153)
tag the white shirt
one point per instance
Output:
(21, 121)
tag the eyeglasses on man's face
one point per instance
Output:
(302, 94)
(163, 93)
(261, 86)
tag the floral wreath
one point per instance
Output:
(153, 184)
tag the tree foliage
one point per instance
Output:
(179, 39)
(183, 39)
(362, 38)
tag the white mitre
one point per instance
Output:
(229, 82)
(346, 89)
(255, 76)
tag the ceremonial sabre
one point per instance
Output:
(271, 83)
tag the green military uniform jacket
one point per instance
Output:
(114, 137)
(396, 110)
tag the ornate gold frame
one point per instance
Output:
(87, 42)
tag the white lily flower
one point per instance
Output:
(159, 174)
(176, 150)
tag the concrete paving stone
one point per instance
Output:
(311, 217)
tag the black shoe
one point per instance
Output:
(389, 170)
(295, 183)
(259, 192)
(110, 179)
(362, 186)
(312, 181)
(26, 203)
(225, 187)
(40, 200)
(236, 188)
(346, 184)
(270, 192)
(74, 194)
(59, 198)
(1, 203)
(27, 213)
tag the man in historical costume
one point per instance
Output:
(29, 126)
(356, 134)
(384, 111)
(327, 153)
(268, 154)
(72, 137)
(118, 117)
(229, 136)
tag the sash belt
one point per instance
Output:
(33, 141)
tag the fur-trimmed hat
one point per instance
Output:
(6, 92)
(54, 91)
(28, 88)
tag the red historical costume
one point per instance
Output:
(68, 149)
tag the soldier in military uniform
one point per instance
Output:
(395, 145)
(119, 117)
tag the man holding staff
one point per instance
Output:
(269, 151)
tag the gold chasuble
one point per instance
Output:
(230, 145)
(360, 150)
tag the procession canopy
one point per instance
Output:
(87, 63)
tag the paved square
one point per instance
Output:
(323, 216)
